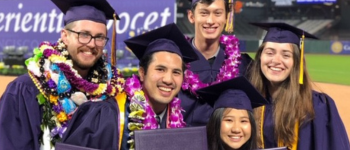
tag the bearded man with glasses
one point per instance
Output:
(83, 51)
(36, 108)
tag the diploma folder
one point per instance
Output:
(64, 146)
(188, 138)
(276, 148)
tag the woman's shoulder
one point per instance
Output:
(320, 98)
(324, 105)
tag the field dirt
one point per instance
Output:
(340, 94)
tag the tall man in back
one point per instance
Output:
(219, 55)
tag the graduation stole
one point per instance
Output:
(61, 87)
(261, 141)
(142, 116)
(228, 70)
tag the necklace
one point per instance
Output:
(62, 88)
(142, 115)
(228, 70)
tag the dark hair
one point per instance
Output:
(146, 60)
(214, 127)
(193, 7)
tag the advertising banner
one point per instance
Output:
(340, 47)
(29, 22)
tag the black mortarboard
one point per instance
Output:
(282, 32)
(94, 10)
(167, 38)
(236, 93)
(285, 33)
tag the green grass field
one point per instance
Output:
(327, 68)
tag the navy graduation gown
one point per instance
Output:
(197, 112)
(94, 125)
(325, 132)
(20, 116)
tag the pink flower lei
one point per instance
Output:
(228, 70)
(142, 115)
(133, 88)
(56, 115)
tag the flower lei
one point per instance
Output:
(52, 73)
(142, 115)
(228, 70)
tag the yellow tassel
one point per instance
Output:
(301, 75)
(230, 18)
(114, 39)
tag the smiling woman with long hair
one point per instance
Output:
(296, 117)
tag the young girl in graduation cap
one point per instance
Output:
(232, 125)
(297, 116)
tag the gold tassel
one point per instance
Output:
(230, 18)
(114, 39)
(301, 75)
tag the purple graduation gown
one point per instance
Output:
(96, 125)
(197, 112)
(20, 116)
(325, 132)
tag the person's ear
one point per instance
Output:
(190, 16)
(64, 36)
(141, 74)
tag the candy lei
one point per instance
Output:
(142, 115)
(61, 87)
(228, 70)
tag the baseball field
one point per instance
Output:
(330, 73)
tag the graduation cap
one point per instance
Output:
(167, 38)
(285, 33)
(94, 10)
(236, 93)
(230, 17)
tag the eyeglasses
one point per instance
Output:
(85, 38)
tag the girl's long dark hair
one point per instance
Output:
(213, 131)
